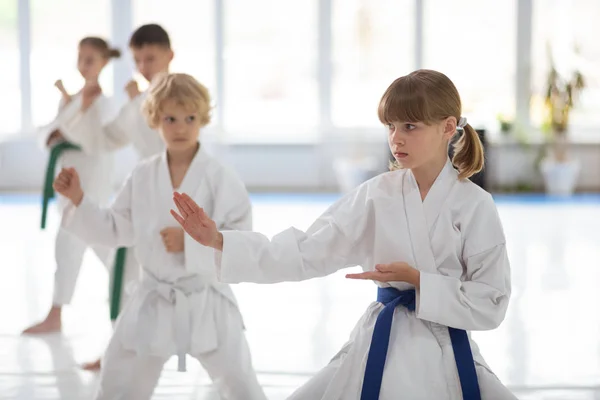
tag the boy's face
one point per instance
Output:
(152, 59)
(178, 126)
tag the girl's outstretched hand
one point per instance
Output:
(195, 222)
(394, 272)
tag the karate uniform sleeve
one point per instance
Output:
(65, 112)
(337, 239)
(111, 227)
(478, 301)
(90, 130)
(232, 211)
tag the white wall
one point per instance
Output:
(299, 167)
(262, 167)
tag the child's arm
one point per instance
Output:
(89, 128)
(335, 241)
(132, 89)
(478, 302)
(65, 96)
(111, 227)
(50, 134)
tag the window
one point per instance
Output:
(270, 50)
(565, 24)
(270, 70)
(57, 27)
(373, 44)
(191, 29)
(10, 95)
(473, 42)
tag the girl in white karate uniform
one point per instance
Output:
(431, 239)
(150, 46)
(94, 166)
(178, 306)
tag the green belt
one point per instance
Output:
(55, 153)
(117, 287)
(119, 265)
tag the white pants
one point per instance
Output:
(489, 386)
(69, 252)
(128, 376)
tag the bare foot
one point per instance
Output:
(92, 366)
(51, 324)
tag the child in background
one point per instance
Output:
(95, 166)
(178, 307)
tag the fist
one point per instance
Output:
(67, 184)
(61, 88)
(89, 93)
(173, 239)
(132, 89)
(54, 138)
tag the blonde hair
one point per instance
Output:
(184, 89)
(429, 96)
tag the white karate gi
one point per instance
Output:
(454, 237)
(178, 307)
(99, 135)
(95, 169)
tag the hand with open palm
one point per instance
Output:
(393, 272)
(195, 222)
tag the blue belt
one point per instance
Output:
(392, 298)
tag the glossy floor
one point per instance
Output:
(547, 348)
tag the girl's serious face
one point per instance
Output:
(415, 144)
(90, 62)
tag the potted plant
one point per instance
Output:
(560, 171)
(506, 124)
